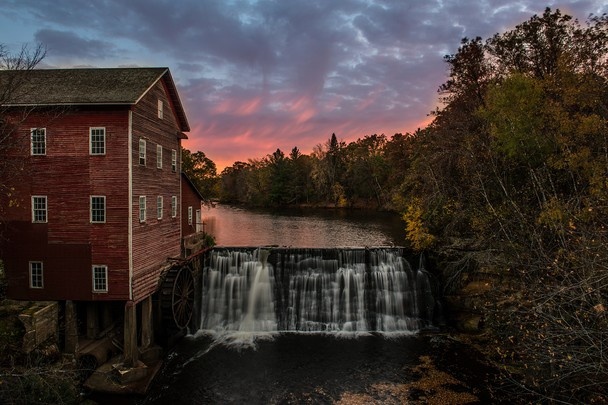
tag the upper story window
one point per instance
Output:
(173, 206)
(39, 208)
(189, 215)
(97, 141)
(159, 207)
(142, 152)
(142, 208)
(159, 157)
(98, 209)
(36, 275)
(100, 278)
(38, 136)
(160, 109)
(173, 160)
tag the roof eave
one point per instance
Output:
(59, 104)
(184, 126)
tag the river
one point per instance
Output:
(316, 367)
(305, 227)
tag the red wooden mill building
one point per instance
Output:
(94, 218)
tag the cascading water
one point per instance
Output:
(238, 293)
(313, 290)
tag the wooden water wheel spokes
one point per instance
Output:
(182, 298)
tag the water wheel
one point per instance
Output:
(177, 298)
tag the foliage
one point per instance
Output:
(202, 172)
(416, 231)
(209, 240)
(517, 160)
(39, 386)
(334, 175)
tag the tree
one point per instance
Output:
(535, 47)
(14, 69)
(202, 172)
(515, 163)
(279, 178)
(234, 182)
(328, 171)
(367, 170)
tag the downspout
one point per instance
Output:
(180, 202)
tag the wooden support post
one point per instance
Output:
(106, 315)
(71, 328)
(92, 320)
(130, 335)
(147, 331)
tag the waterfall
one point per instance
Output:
(313, 290)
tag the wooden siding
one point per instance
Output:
(190, 198)
(154, 241)
(69, 244)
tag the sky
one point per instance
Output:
(257, 75)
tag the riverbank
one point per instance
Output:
(40, 375)
(435, 368)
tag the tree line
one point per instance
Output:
(516, 164)
(364, 173)
(512, 175)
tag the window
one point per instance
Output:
(173, 160)
(142, 152)
(160, 109)
(199, 222)
(97, 140)
(173, 206)
(39, 208)
(38, 141)
(159, 157)
(189, 215)
(36, 278)
(98, 208)
(159, 207)
(142, 208)
(100, 278)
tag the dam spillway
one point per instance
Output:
(270, 289)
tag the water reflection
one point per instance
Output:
(234, 226)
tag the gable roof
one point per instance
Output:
(192, 186)
(91, 86)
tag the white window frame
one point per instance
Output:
(159, 207)
(160, 109)
(190, 215)
(97, 147)
(159, 156)
(36, 280)
(37, 146)
(142, 152)
(36, 209)
(99, 275)
(93, 209)
(173, 206)
(173, 160)
(142, 208)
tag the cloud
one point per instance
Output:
(256, 75)
(65, 43)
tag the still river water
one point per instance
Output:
(303, 227)
(294, 368)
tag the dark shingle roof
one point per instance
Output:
(103, 86)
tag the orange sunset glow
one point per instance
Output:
(255, 76)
